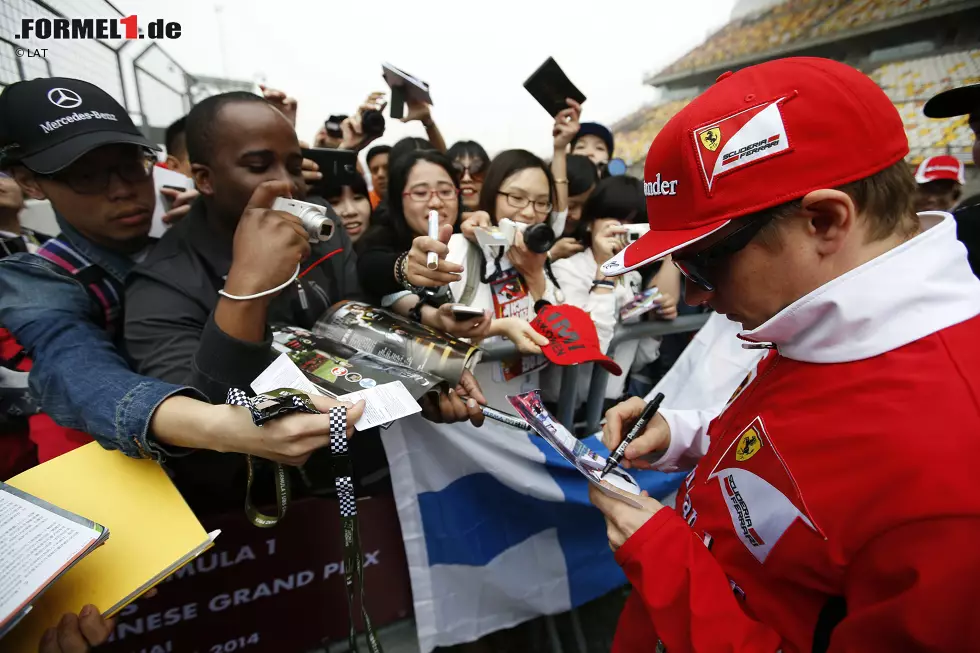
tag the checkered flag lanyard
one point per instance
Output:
(353, 558)
(263, 408)
(275, 404)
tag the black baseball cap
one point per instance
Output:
(46, 124)
(954, 102)
(595, 129)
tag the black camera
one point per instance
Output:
(372, 122)
(539, 238)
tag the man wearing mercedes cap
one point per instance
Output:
(830, 506)
(963, 101)
(70, 142)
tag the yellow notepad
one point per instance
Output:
(152, 532)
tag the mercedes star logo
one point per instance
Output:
(64, 98)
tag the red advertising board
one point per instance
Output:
(272, 590)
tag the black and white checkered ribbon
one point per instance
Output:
(338, 447)
(343, 472)
(353, 557)
(238, 397)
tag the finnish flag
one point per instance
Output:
(498, 528)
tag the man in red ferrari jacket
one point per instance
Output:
(832, 504)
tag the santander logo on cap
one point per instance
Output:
(740, 139)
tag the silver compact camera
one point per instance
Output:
(635, 231)
(538, 238)
(315, 221)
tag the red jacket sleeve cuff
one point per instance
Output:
(647, 532)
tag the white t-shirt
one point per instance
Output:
(490, 374)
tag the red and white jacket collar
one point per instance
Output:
(916, 289)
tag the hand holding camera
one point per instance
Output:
(530, 263)
(537, 238)
(268, 243)
(472, 221)
(365, 126)
(608, 241)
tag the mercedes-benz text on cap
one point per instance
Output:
(757, 138)
(46, 124)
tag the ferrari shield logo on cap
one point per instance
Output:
(711, 138)
(740, 139)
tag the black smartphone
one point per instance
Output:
(334, 164)
(461, 313)
(549, 85)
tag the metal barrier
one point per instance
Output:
(597, 388)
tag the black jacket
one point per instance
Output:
(170, 299)
(170, 334)
(968, 231)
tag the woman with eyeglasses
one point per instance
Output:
(419, 182)
(471, 161)
(520, 187)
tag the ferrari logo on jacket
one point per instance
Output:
(748, 445)
(760, 493)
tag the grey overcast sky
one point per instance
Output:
(475, 56)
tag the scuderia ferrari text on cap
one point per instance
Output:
(757, 138)
(48, 123)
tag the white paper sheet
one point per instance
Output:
(35, 546)
(383, 404)
(284, 373)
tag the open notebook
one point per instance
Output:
(90, 526)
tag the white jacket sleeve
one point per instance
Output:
(575, 280)
(688, 438)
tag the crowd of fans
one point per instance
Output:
(159, 325)
(162, 327)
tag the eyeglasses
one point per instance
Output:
(474, 169)
(520, 202)
(699, 267)
(88, 181)
(445, 192)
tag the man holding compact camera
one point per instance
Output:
(244, 155)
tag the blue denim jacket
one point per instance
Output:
(79, 376)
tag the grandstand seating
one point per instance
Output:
(763, 31)
(908, 83)
(794, 20)
(863, 12)
(633, 141)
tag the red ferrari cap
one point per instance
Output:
(757, 138)
(940, 167)
(572, 337)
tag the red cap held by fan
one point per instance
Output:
(572, 337)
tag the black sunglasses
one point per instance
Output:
(698, 267)
(474, 168)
